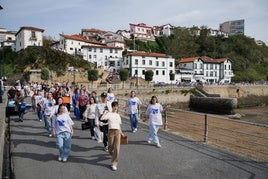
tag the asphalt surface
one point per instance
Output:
(34, 155)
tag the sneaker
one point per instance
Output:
(40, 120)
(21, 120)
(106, 149)
(135, 130)
(158, 145)
(149, 142)
(114, 168)
(64, 159)
(59, 159)
(93, 138)
(50, 135)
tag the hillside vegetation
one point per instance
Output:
(250, 61)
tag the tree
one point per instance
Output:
(45, 74)
(93, 75)
(149, 75)
(123, 76)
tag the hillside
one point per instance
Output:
(250, 61)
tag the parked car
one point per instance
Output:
(160, 84)
(11, 107)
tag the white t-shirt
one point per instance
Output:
(48, 106)
(132, 105)
(110, 97)
(99, 111)
(62, 123)
(154, 113)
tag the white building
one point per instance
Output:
(205, 69)
(141, 31)
(72, 44)
(28, 36)
(138, 62)
(7, 38)
(109, 57)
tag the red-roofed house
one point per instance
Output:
(72, 44)
(138, 62)
(206, 69)
(141, 31)
(29, 36)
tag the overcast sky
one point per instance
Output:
(70, 16)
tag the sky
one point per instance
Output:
(70, 16)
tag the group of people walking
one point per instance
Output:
(101, 114)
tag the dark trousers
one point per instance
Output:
(104, 129)
(92, 125)
(82, 110)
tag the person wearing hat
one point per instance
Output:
(101, 125)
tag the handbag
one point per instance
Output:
(85, 125)
(124, 140)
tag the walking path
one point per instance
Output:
(34, 155)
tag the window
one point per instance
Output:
(89, 49)
(150, 62)
(101, 50)
(95, 50)
(163, 64)
(170, 64)
(156, 72)
(33, 34)
(143, 62)
(143, 72)
(71, 48)
(136, 72)
(195, 66)
(163, 73)
(89, 57)
(157, 63)
(136, 61)
(115, 51)
(95, 56)
(111, 50)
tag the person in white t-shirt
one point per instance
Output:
(114, 133)
(63, 131)
(132, 107)
(153, 113)
(48, 104)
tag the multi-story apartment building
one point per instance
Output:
(109, 57)
(164, 30)
(141, 31)
(72, 44)
(92, 33)
(233, 27)
(28, 36)
(138, 62)
(7, 38)
(206, 69)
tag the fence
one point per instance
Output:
(243, 138)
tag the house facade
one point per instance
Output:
(139, 62)
(28, 36)
(205, 69)
(109, 57)
(7, 38)
(72, 44)
(141, 31)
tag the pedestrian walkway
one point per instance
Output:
(34, 155)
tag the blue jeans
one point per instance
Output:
(48, 124)
(133, 120)
(63, 143)
(39, 112)
(153, 129)
(21, 113)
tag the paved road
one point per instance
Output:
(34, 155)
